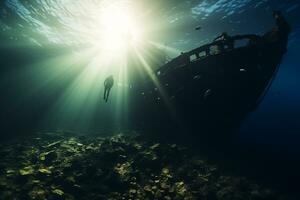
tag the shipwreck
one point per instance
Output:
(212, 87)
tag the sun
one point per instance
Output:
(119, 29)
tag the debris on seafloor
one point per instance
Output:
(117, 167)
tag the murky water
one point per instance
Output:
(55, 56)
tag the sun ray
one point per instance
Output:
(157, 84)
(81, 98)
(111, 40)
(46, 75)
(173, 52)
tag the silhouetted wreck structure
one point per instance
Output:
(213, 87)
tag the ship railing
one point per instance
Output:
(211, 49)
(222, 46)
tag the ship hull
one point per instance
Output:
(208, 94)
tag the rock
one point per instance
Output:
(58, 192)
(123, 169)
(52, 144)
(180, 188)
(165, 171)
(45, 171)
(48, 157)
(26, 171)
(11, 173)
(37, 193)
(155, 146)
(64, 166)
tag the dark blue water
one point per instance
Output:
(276, 122)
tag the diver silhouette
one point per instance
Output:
(108, 83)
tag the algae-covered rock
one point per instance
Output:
(37, 193)
(155, 146)
(45, 171)
(63, 166)
(165, 171)
(180, 188)
(123, 169)
(48, 157)
(58, 192)
(26, 170)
